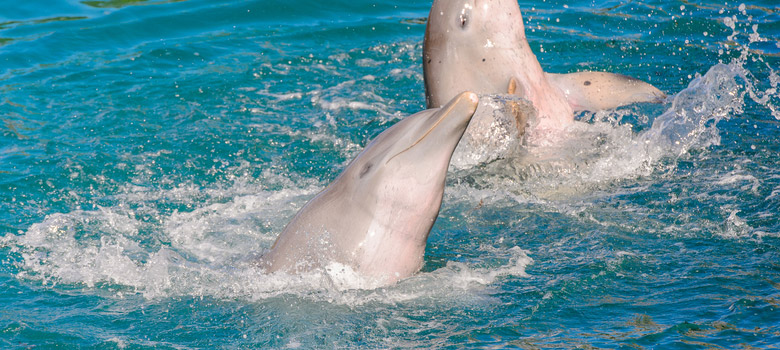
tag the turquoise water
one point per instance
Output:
(150, 150)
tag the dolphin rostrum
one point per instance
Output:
(480, 46)
(375, 217)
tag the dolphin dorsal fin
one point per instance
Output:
(594, 91)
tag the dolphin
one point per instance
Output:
(375, 217)
(480, 46)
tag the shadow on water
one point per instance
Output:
(14, 24)
(123, 3)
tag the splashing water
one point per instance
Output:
(56, 251)
(604, 151)
(496, 130)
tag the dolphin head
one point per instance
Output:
(395, 188)
(476, 22)
(466, 45)
(375, 217)
(414, 153)
(389, 196)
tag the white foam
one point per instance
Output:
(734, 226)
(736, 178)
(210, 251)
(462, 275)
(282, 97)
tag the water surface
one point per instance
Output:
(149, 150)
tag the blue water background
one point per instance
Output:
(149, 150)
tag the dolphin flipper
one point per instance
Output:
(594, 91)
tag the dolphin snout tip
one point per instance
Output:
(654, 96)
(472, 97)
(658, 97)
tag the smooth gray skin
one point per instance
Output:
(480, 46)
(376, 215)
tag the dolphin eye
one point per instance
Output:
(365, 170)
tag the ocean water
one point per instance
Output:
(150, 150)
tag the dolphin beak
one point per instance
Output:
(458, 111)
(453, 117)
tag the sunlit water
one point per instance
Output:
(150, 151)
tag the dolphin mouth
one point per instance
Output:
(474, 98)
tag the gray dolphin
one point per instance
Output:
(480, 46)
(375, 217)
